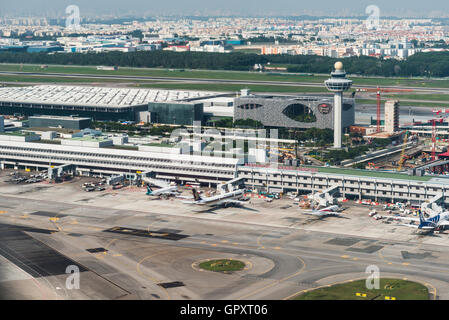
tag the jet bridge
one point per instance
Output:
(57, 172)
(326, 197)
(149, 177)
(116, 179)
(232, 185)
(433, 206)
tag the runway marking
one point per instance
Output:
(155, 281)
(304, 266)
(224, 241)
(405, 264)
(345, 257)
(105, 252)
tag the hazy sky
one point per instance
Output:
(55, 8)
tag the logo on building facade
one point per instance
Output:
(324, 108)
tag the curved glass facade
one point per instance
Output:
(176, 113)
(300, 113)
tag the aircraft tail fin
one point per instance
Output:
(196, 196)
(149, 191)
(421, 217)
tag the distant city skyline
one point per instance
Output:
(138, 8)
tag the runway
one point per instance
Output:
(206, 81)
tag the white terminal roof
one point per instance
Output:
(96, 96)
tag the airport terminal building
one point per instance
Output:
(301, 112)
(172, 107)
(90, 160)
(98, 103)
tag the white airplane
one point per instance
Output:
(166, 191)
(333, 211)
(226, 199)
(437, 222)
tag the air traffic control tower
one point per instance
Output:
(338, 84)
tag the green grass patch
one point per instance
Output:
(223, 265)
(399, 289)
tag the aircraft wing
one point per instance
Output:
(443, 223)
(231, 201)
(317, 213)
(321, 213)
(416, 226)
(184, 197)
(226, 202)
(403, 218)
(189, 202)
(408, 225)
